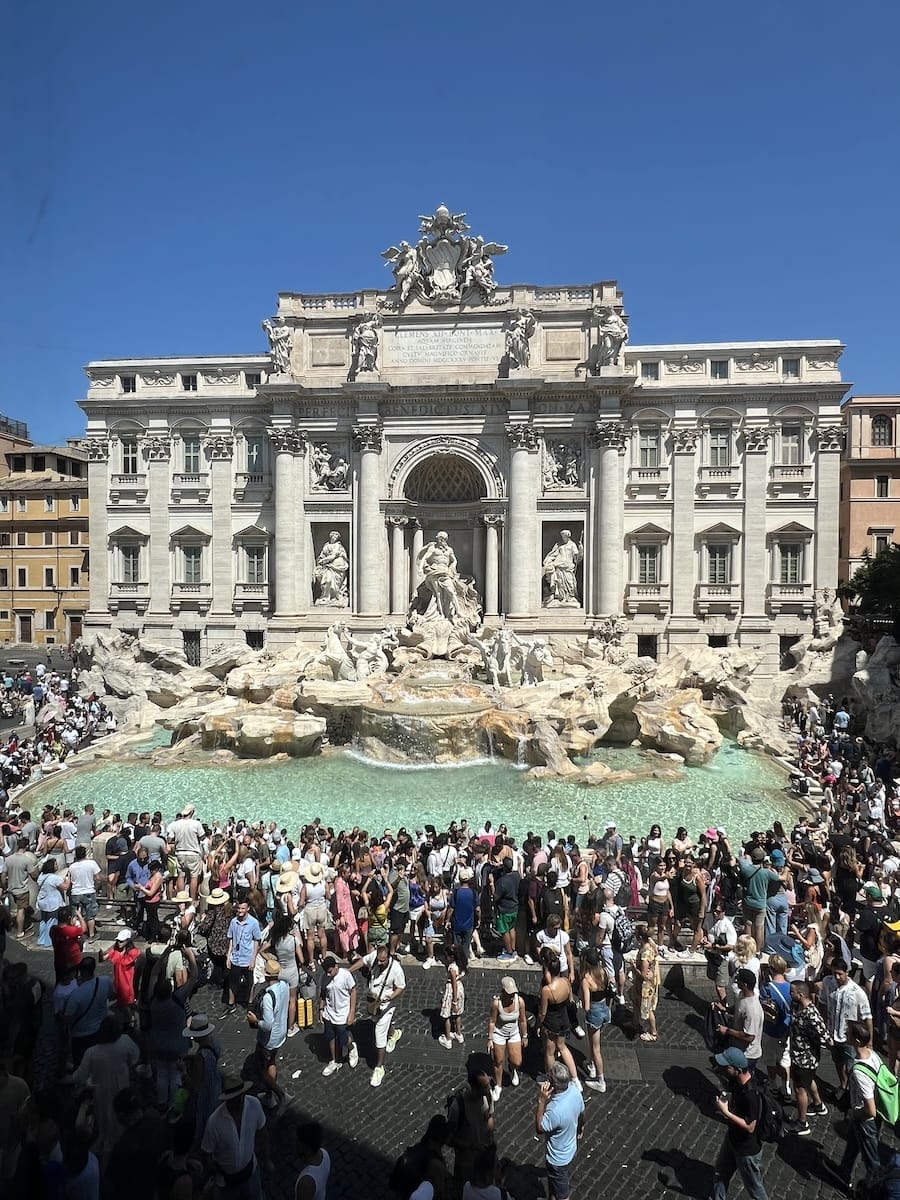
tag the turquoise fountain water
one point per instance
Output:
(737, 790)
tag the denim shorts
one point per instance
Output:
(598, 1014)
(88, 902)
(558, 1181)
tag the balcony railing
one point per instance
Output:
(128, 486)
(796, 479)
(719, 481)
(255, 483)
(252, 595)
(194, 595)
(792, 597)
(193, 484)
(128, 595)
(718, 597)
(648, 481)
(647, 597)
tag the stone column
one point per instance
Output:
(684, 478)
(492, 565)
(399, 590)
(830, 440)
(755, 573)
(157, 451)
(98, 499)
(369, 550)
(611, 439)
(522, 573)
(478, 557)
(418, 543)
(284, 446)
(220, 451)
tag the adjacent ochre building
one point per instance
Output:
(700, 481)
(870, 479)
(43, 545)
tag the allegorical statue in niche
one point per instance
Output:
(613, 336)
(443, 592)
(329, 469)
(364, 344)
(280, 338)
(332, 569)
(518, 352)
(559, 571)
(562, 465)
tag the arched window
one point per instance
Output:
(444, 479)
(881, 431)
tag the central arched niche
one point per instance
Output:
(444, 479)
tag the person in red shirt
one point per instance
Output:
(123, 956)
(66, 936)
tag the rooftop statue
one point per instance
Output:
(445, 266)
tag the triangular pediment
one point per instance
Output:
(720, 530)
(190, 532)
(127, 533)
(650, 530)
(791, 527)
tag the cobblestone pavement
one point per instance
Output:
(652, 1134)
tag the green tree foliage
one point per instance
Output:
(875, 586)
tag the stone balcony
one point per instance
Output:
(190, 595)
(190, 486)
(647, 482)
(719, 481)
(134, 596)
(791, 597)
(648, 598)
(791, 480)
(254, 596)
(719, 598)
(253, 486)
(131, 488)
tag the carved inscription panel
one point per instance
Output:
(462, 346)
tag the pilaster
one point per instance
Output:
(220, 451)
(684, 475)
(610, 439)
(370, 532)
(523, 578)
(754, 573)
(157, 451)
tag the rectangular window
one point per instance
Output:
(74, 537)
(650, 370)
(882, 541)
(75, 469)
(647, 645)
(256, 564)
(189, 383)
(790, 368)
(717, 641)
(255, 450)
(720, 446)
(49, 577)
(74, 576)
(39, 462)
(131, 564)
(21, 539)
(4, 577)
(4, 614)
(49, 619)
(129, 383)
(791, 564)
(5, 539)
(48, 537)
(21, 504)
(719, 564)
(192, 557)
(191, 455)
(4, 504)
(18, 463)
(21, 577)
(718, 368)
(256, 638)
(648, 564)
(648, 446)
(253, 379)
(791, 445)
(881, 431)
(48, 504)
(129, 456)
(74, 503)
(882, 487)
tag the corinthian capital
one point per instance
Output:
(97, 449)
(219, 446)
(157, 448)
(610, 435)
(830, 437)
(685, 439)
(287, 441)
(756, 438)
(524, 437)
(368, 437)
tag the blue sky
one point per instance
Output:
(169, 167)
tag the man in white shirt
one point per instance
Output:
(186, 835)
(844, 1002)
(83, 874)
(337, 1012)
(386, 985)
(234, 1137)
(862, 1135)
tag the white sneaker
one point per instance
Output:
(331, 1068)
(293, 1031)
(529, 961)
(620, 998)
(458, 1037)
(393, 1040)
(602, 1083)
(590, 1070)
(353, 1056)
(578, 1031)
(496, 1092)
(514, 1079)
(377, 1077)
(429, 963)
(446, 1042)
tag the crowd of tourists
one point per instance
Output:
(241, 921)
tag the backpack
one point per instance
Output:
(887, 1090)
(456, 1115)
(770, 1125)
(776, 1010)
(623, 938)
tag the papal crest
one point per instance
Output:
(446, 266)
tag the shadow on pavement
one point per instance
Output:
(679, 1173)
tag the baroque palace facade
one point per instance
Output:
(692, 488)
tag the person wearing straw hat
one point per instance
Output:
(270, 1021)
(235, 1139)
(314, 901)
